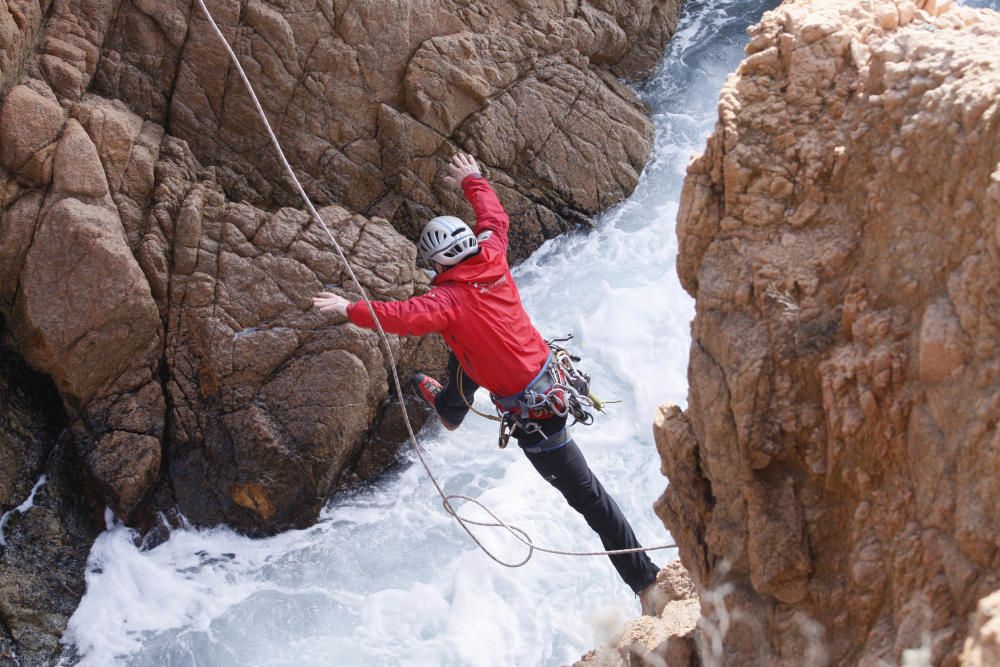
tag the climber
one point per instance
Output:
(475, 305)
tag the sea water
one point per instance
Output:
(386, 577)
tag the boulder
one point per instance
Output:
(668, 638)
(32, 123)
(84, 315)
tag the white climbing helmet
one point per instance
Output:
(447, 240)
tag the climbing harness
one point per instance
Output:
(559, 390)
(446, 499)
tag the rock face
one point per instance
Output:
(268, 407)
(44, 547)
(982, 648)
(668, 638)
(369, 96)
(834, 482)
(156, 266)
(149, 267)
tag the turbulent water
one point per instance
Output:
(386, 577)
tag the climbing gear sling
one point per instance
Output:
(559, 390)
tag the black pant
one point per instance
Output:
(566, 469)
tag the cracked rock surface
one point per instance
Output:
(155, 264)
(369, 95)
(834, 481)
(152, 265)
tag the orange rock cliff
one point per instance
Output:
(834, 481)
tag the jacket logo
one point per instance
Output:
(483, 289)
(485, 235)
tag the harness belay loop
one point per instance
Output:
(560, 389)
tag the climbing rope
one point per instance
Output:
(446, 499)
(461, 392)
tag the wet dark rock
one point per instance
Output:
(43, 558)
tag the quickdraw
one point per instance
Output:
(561, 389)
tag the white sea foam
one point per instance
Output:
(386, 577)
(20, 509)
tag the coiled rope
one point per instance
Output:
(446, 499)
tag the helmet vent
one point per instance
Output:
(447, 240)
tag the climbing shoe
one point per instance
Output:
(428, 389)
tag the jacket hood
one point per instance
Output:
(483, 267)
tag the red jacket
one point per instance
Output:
(475, 305)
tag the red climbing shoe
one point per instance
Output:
(428, 389)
